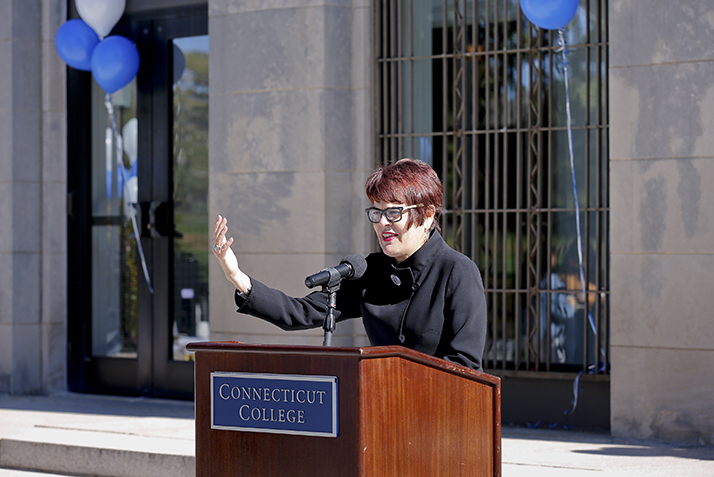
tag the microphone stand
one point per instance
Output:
(330, 288)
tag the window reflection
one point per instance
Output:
(115, 270)
(190, 192)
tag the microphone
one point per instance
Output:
(351, 267)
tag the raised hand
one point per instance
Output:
(228, 261)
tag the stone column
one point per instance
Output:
(32, 199)
(290, 147)
(662, 235)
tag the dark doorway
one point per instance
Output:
(133, 304)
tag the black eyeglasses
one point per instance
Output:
(392, 214)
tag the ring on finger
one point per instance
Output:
(216, 248)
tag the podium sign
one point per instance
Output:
(274, 403)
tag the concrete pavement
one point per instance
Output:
(77, 435)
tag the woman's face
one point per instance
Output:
(395, 238)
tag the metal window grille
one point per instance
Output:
(477, 91)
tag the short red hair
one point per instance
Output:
(408, 182)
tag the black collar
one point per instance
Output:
(423, 257)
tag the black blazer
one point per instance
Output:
(432, 302)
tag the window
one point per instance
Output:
(478, 92)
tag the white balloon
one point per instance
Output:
(131, 196)
(132, 186)
(130, 133)
(101, 15)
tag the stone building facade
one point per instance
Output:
(289, 151)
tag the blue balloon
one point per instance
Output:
(75, 42)
(115, 62)
(549, 14)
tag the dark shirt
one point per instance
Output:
(432, 302)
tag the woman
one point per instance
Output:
(417, 292)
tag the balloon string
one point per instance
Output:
(132, 211)
(564, 66)
(576, 382)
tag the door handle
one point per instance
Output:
(155, 219)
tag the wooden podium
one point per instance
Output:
(399, 413)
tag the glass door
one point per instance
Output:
(177, 206)
(190, 193)
(141, 293)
